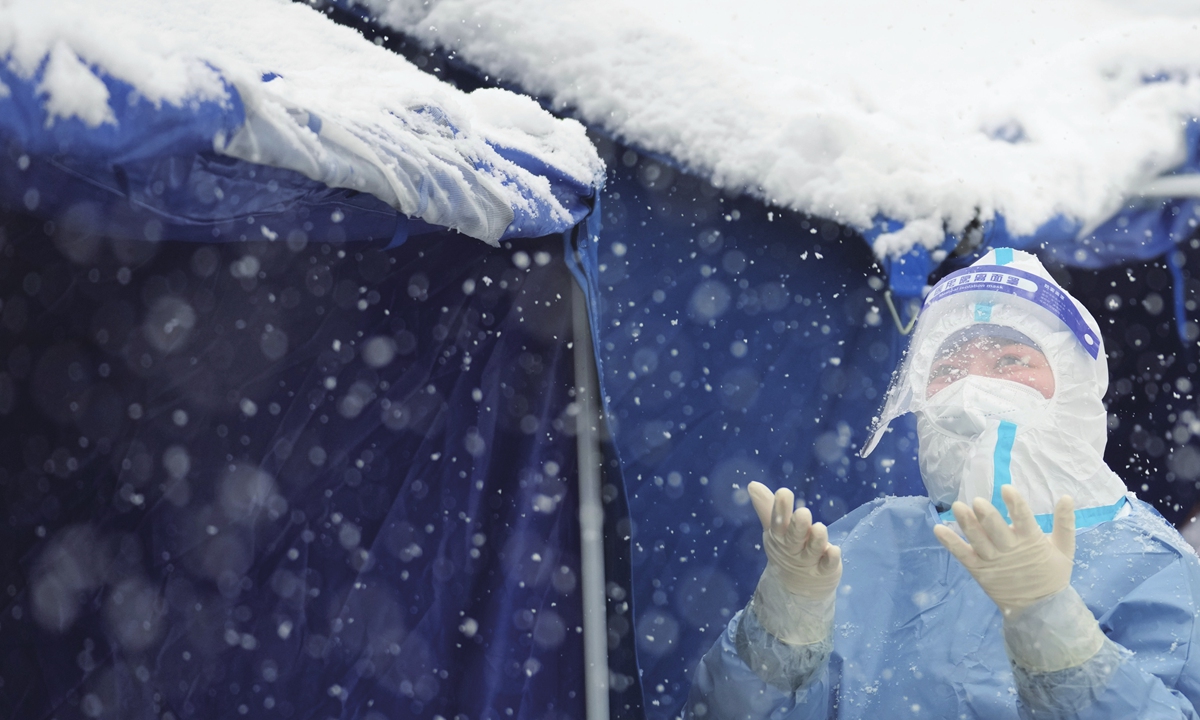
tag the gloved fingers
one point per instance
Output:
(1023, 522)
(830, 560)
(763, 500)
(1063, 534)
(781, 515)
(818, 541)
(979, 540)
(993, 524)
(798, 529)
(956, 545)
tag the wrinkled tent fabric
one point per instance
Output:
(362, 118)
(256, 462)
(162, 159)
(273, 511)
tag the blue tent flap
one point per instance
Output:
(158, 165)
(286, 480)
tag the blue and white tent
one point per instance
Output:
(290, 383)
(286, 414)
(785, 181)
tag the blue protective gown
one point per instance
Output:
(916, 637)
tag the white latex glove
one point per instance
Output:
(1017, 564)
(1047, 626)
(795, 596)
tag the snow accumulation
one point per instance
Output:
(319, 99)
(931, 112)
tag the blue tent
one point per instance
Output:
(275, 519)
(268, 447)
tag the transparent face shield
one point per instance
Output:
(991, 351)
(969, 326)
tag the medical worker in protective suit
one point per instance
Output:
(1028, 584)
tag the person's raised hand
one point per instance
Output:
(797, 548)
(1018, 564)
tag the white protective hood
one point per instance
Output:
(1046, 447)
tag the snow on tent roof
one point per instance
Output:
(270, 82)
(934, 113)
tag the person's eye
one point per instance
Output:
(941, 371)
(1012, 360)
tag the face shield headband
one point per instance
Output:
(989, 285)
(1018, 283)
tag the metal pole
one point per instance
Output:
(591, 515)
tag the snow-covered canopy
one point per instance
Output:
(931, 112)
(318, 99)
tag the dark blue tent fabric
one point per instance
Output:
(1154, 416)
(286, 480)
(257, 458)
(734, 343)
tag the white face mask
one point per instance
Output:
(968, 406)
(957, 432)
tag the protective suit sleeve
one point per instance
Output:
(1061, 660)
(1158, 679)
(1071, 691)
(794, 619)
(783, 665)
(726, 687)
(1055, 633)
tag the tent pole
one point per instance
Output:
(591, 515)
